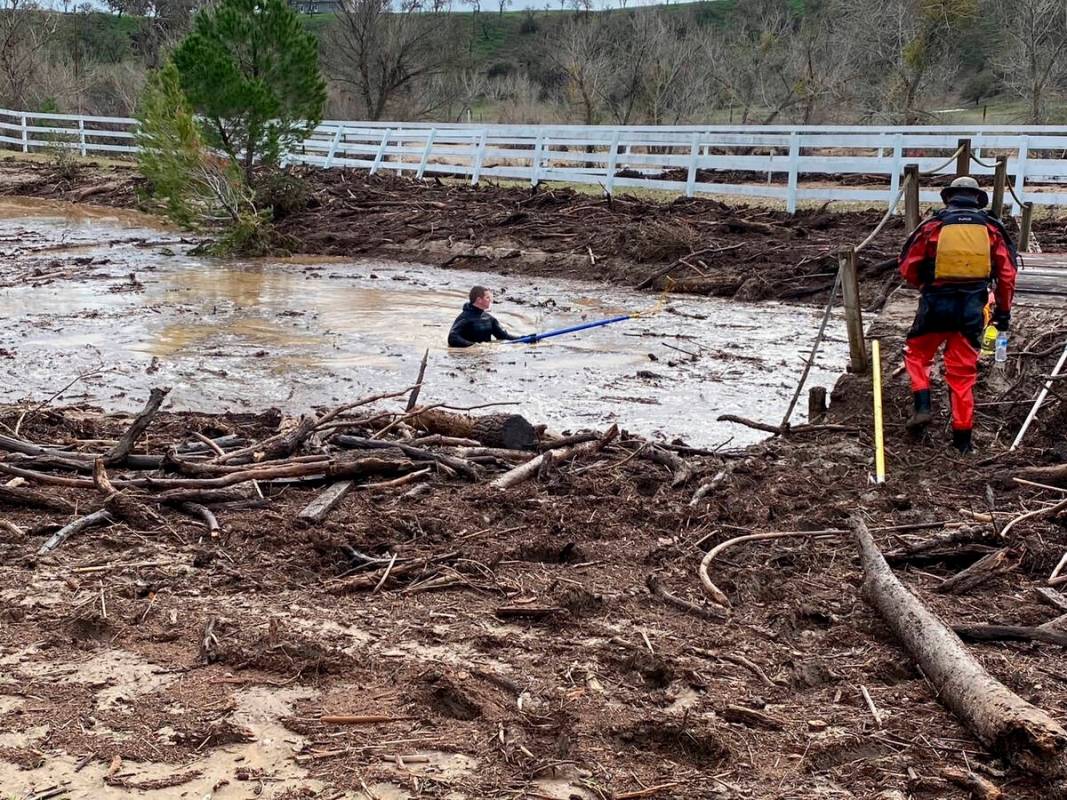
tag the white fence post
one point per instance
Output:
(333, 146)
(794, 163)
(691, 176)
(381, 152)
(479, 156)
(1020, 173)
(25, 135)
(898, 165)
(535, 163)
(425, 154)
(613, 160)
(81, 136)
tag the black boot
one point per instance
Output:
(961, 440)
(921, 417)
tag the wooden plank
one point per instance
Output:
(326, 501)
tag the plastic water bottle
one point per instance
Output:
(1002, 347)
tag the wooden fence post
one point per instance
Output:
(1000, 181)
(1025, 225)
(850, 289)
(963, 160)
(911, 198)
(816, 404)
(25, 135)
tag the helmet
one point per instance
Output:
(965, 185)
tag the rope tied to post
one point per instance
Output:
(940, 167)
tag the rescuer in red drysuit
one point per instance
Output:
(952, 258)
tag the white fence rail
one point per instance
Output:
(787, 163)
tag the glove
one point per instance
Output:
(1002, 320)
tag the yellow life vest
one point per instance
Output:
(963, 253)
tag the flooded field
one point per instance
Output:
(113, 297)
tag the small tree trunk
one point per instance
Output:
(509, 431)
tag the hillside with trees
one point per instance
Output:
(758, 61)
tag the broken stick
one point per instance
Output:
(530, 468)
(998, 717)
(100, 517)
(140, 424)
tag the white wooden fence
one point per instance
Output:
(786, 163)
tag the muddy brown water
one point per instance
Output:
(98, 289)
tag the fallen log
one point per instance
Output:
(996, 563)
(679, 467)
(205, 514)
(123, 506)
(140, 424)
(326, 501)
(22, 496)
(1052, 474)
(998, 717)
(507, 431)
(100, 517)
(530, 468)
(460, 465)
(335, 468)
(1012, 633)
(778, 430)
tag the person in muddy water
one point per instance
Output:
(952, 258)
(475, 324)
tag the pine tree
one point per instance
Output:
(195, 185)
(251, 71)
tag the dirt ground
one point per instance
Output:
(599, 689)
(505, 643)
(711, 248)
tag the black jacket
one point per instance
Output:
(474, 326)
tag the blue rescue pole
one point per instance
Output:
(536, 337)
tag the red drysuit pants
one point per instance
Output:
(961, 370)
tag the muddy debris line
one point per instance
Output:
(702, 245)
(387, 598)
(105, 296)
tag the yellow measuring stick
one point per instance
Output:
(879, 438)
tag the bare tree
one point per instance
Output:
(580, 50)
(25, 31)
(379, 53)
(1033, 61)
(502, 5)
(907, 50)
(671, 52)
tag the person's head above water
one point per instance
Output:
(481, 297)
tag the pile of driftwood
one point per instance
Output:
(352, 447)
